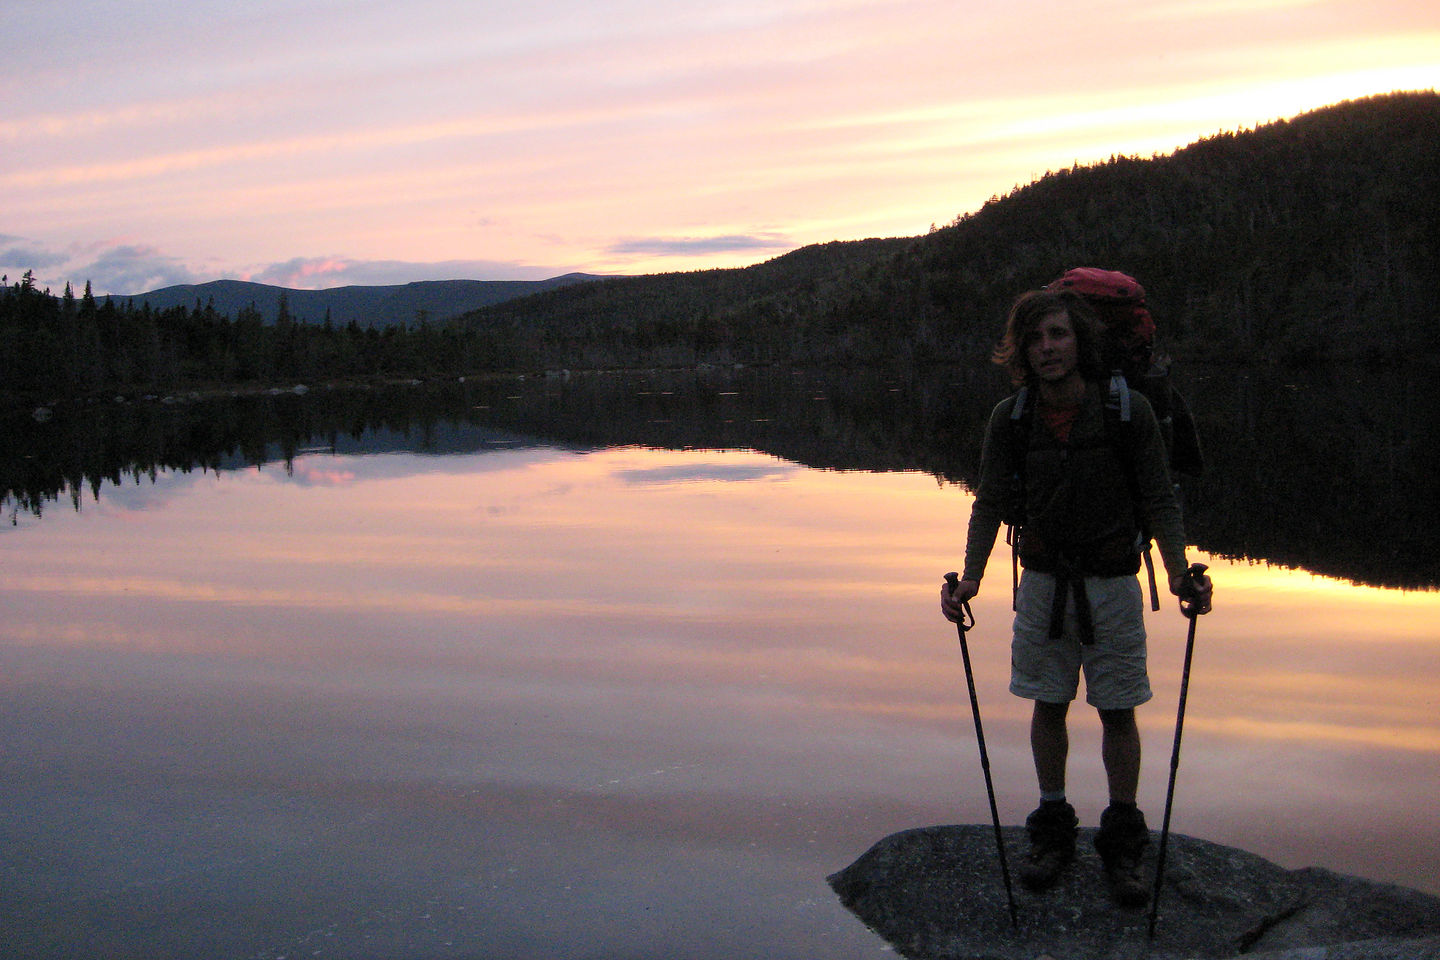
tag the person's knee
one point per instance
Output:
(1118, 721)
(1051, 714)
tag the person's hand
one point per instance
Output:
(1194, 589)
(952, 604)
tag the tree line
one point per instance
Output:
(59, 347)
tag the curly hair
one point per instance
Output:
(1025, 315)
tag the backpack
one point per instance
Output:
(1129, 351)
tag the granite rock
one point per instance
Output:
(936, 893)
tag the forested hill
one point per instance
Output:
(1312, 238)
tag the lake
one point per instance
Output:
(623, 666)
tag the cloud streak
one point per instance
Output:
(123, 267)
(688, 246)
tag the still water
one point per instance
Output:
(524, 698)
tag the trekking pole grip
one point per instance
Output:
(952, 579)
(1189, 606)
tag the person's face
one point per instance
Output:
(1053, 351)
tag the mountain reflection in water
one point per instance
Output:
(616, 666)
(1333, 471)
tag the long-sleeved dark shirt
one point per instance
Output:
(1077, 493)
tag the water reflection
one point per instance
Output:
(1332, 470)
(527, 696)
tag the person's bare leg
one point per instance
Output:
(1120, 751)
(1050, 745)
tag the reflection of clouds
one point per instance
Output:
(189, 590)
(555, 490)
(151, 493)
(144, 495)
(312, 474)
(317, 468)
(1332, 732)
(563, 625)
(707, 471)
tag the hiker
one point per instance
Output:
(1081, 502)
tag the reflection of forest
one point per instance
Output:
(1332, 471)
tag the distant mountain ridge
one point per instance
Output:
(367, 306)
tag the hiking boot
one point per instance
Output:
(1121, 842)
(1052, 828)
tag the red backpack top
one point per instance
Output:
(1130, 345)
(1120, 301)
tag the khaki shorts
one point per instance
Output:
(1114, 665)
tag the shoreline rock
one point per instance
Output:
(936, 893)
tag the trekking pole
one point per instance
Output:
(966, 622)
(1189, 609)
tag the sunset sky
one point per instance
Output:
(318, 143)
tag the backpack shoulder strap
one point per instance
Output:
(1022, 402)
(1022, 415)
(1119, 426)
(1120, 396)
(1018, 439)
(1120, 432)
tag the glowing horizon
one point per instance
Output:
(180, 143)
